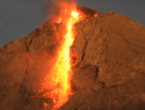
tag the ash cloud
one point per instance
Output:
(55, 7)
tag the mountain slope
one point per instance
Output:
(109, 73)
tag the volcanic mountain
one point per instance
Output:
(108, 73)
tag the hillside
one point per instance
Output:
(109, 73)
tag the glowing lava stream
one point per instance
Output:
(62, 70)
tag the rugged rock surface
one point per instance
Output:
(109, 74)
(88, 12)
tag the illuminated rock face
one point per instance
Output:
(88, 11)
(109, 73)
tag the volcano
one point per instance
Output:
(108, 57)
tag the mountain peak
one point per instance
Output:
(108, 73)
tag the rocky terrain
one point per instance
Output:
(109, 73)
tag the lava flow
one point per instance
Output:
(56, 86)
(62, 67)
(59, 80)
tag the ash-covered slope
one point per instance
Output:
(109, 74)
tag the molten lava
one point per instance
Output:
(62, 67)
(57, 83)
(60, 77)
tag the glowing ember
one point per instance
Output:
(75, 14)
(59, 20)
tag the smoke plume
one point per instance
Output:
(56, 7)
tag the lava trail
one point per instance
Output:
(62, 69)
(60, 76)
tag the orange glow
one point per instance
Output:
(58, 81)
(62, 69)
(59, 20)
(56, 86)
(75, 14)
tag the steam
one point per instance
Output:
(56, 7)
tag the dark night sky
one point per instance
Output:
(18, 18)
